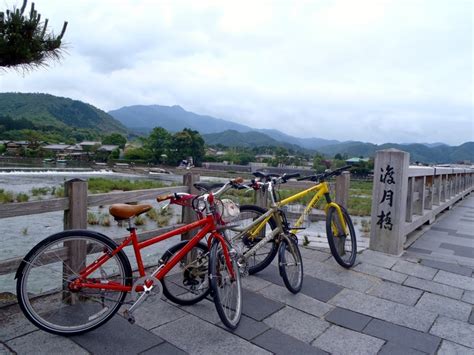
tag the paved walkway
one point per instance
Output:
(419, 303)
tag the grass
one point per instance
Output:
(6, 196)
(92, 218)
(40, 191)
(360, 198)
(101, 185)
(365, 226)
(161, 217)
(22, 197)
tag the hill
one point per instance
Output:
(45, 110)
(142, 119)
(418, 152)
(231, 138)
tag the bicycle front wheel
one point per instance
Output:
(226, 290)
(188, 281)
(291, 265)
(264, 255)
(46, 274)
(342, 241)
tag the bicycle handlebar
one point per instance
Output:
(324, 176)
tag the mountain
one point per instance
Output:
(231, 138)
(142, 119)
(308, 143)
(418, 152)
(172, 118)
(46, 110)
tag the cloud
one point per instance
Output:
(365, 70)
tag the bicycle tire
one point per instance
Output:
(290, 265)
(43, 276)
(343, 249)
(265, 255)
(187, 283)
(227, 293)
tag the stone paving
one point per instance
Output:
(419, 303)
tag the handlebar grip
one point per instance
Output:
(162, 198)
(305, 178)
(237, 180)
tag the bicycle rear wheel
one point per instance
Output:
(226, 290)
(263, 256)
(188, 281)
(343, 243)
(46, 274)
(291, 265)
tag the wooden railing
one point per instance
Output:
(75, 206)
(407, 197)
(77, 201)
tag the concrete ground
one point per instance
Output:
(421, 302)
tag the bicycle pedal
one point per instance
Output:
(129, 317)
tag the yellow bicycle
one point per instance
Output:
(260, 223)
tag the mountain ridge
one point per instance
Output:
(46, 109)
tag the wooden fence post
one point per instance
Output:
(261, 198)
(188, 215)
(389, 201)
(342, 188)
(75, 217)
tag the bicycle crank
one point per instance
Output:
(142, 288)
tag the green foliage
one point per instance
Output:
(104, 220)
(100, 185)
(54, 115)
(22, 197)
(6, 196)
(115, 139)
(360, 198)
(58, 191)
(24, 40)
(158, 144)
(320, 163)
(139, 221)
(187, 143)
(92, 218)
(137, 154)
(39, 191)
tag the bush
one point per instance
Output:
(21, 197)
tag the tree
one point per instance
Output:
(115, 139)
(158, 144)
(187, 143)
(24, 40)
(320, 163)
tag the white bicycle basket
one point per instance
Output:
(230, 210)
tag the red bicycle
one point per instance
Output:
(76, 280)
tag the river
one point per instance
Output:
(19, 234)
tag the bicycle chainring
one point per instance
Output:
(155, 291)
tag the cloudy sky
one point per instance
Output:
(370, 70)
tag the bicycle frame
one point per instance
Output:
(256, 226)
(321, 189)
(207, 226)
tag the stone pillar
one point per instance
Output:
(389, 201)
